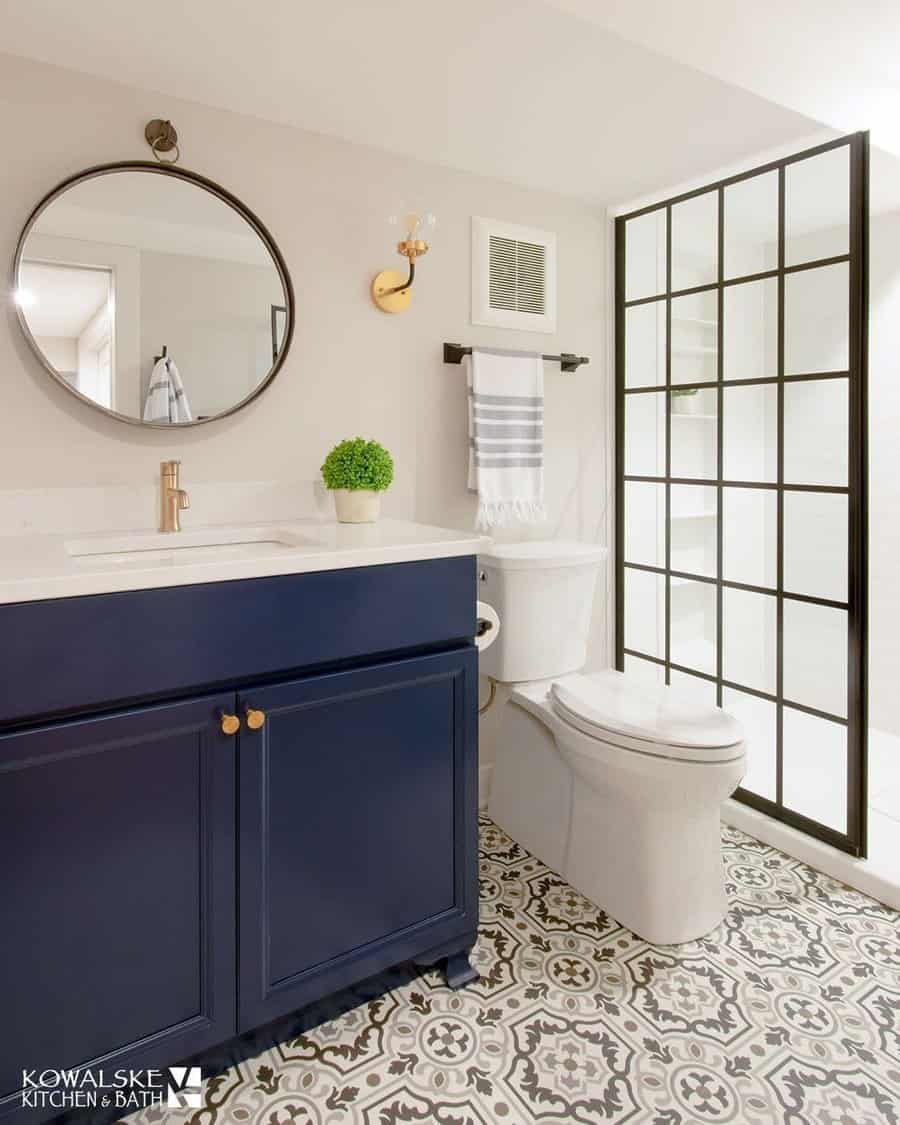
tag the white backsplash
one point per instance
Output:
(129, 507)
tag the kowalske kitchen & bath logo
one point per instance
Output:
(177, 1087)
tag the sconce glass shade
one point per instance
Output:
(412, 224)
(391, 289)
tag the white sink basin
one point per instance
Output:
(205, 544)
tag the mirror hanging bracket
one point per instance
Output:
(162, 137)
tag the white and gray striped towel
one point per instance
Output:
(166, 399)
(506, 436)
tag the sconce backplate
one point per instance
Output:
(391, 302)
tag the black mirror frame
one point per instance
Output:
(214, 189)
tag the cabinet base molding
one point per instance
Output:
(459, 971)
(454, 956)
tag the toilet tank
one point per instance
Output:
(544, 594)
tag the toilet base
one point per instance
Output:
(531, 789)
(660, 876)
(637, 834)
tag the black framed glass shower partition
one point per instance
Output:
(741, 515)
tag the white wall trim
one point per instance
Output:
(124, 262)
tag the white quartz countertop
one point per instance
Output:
(38, 567)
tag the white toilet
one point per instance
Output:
(616, 784)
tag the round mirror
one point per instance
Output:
(153, 294)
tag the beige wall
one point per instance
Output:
(352, 369)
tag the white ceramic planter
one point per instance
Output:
(357, 505)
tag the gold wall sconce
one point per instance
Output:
(391, 291)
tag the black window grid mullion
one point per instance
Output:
(668, 545)
(814, 376)
(744, 279)
(857, 529)
(620, 343)
(720, 449)
(769, 486)
(749, 587)
(745, 689)
(779, 512)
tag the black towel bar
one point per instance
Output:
(453, 353)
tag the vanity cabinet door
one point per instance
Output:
(117, 884)
(358, 827)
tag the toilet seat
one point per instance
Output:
(648, 718)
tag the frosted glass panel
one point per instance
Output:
(695, 241)
(750, 330)
(645, 345)
(749, 536)
(693, 688)
(749, 629)
(645, 434)
(693, 628)
(758, 717)
(694, 433)
(645, 607)
(815, 768)
(694, 535)
(816, 431)
(645, 255)
(750, 433)
(695, 321)
(817, 207)
(644, 671)
(817, 320)
(749, 626)
(815, 656)
(751, 225)
(645, 523)
(815, 544)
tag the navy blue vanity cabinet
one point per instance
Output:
(165, 885)
(117, 845)
(356, 827)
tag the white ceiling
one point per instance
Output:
(516, 89)
(834, 61)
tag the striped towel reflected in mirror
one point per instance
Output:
(166, 398)
(506, 436)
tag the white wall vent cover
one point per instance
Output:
(513, 276)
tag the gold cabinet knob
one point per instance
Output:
(255, 719)
(230, 724)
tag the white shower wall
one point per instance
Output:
(884, 472)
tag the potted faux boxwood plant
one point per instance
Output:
(357, 472)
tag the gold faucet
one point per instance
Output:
(172, 498)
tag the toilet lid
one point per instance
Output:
(647, 717)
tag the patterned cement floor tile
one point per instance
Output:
(789, 1012)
